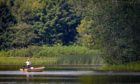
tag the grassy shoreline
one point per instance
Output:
(14, 63)
(42, 55)
(61, 55)
(129, 67)
(17, 63)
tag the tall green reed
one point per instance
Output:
(57, 54)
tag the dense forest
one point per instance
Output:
(112, 26)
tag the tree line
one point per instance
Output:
(109, 25)
(36, 22)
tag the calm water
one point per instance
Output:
(69, 77)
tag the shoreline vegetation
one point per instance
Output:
(59, 55)
(43, 55)
(129, 67)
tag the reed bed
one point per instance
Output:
(51, 55)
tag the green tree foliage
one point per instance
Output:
(24, 9)
(121, 41)
(38, 22)
(6, 20)
(57, 23)
(111, 25)
(85, 37)
(115, 27)
(23, 35)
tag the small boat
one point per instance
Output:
(38, 69)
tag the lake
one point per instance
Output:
(69, 77)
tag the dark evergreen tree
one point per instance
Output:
(6, 21)
(57, 23)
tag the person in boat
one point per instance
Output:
(28, 63)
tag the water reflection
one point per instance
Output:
(28, 76)
(104, 79)
(68, 77)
